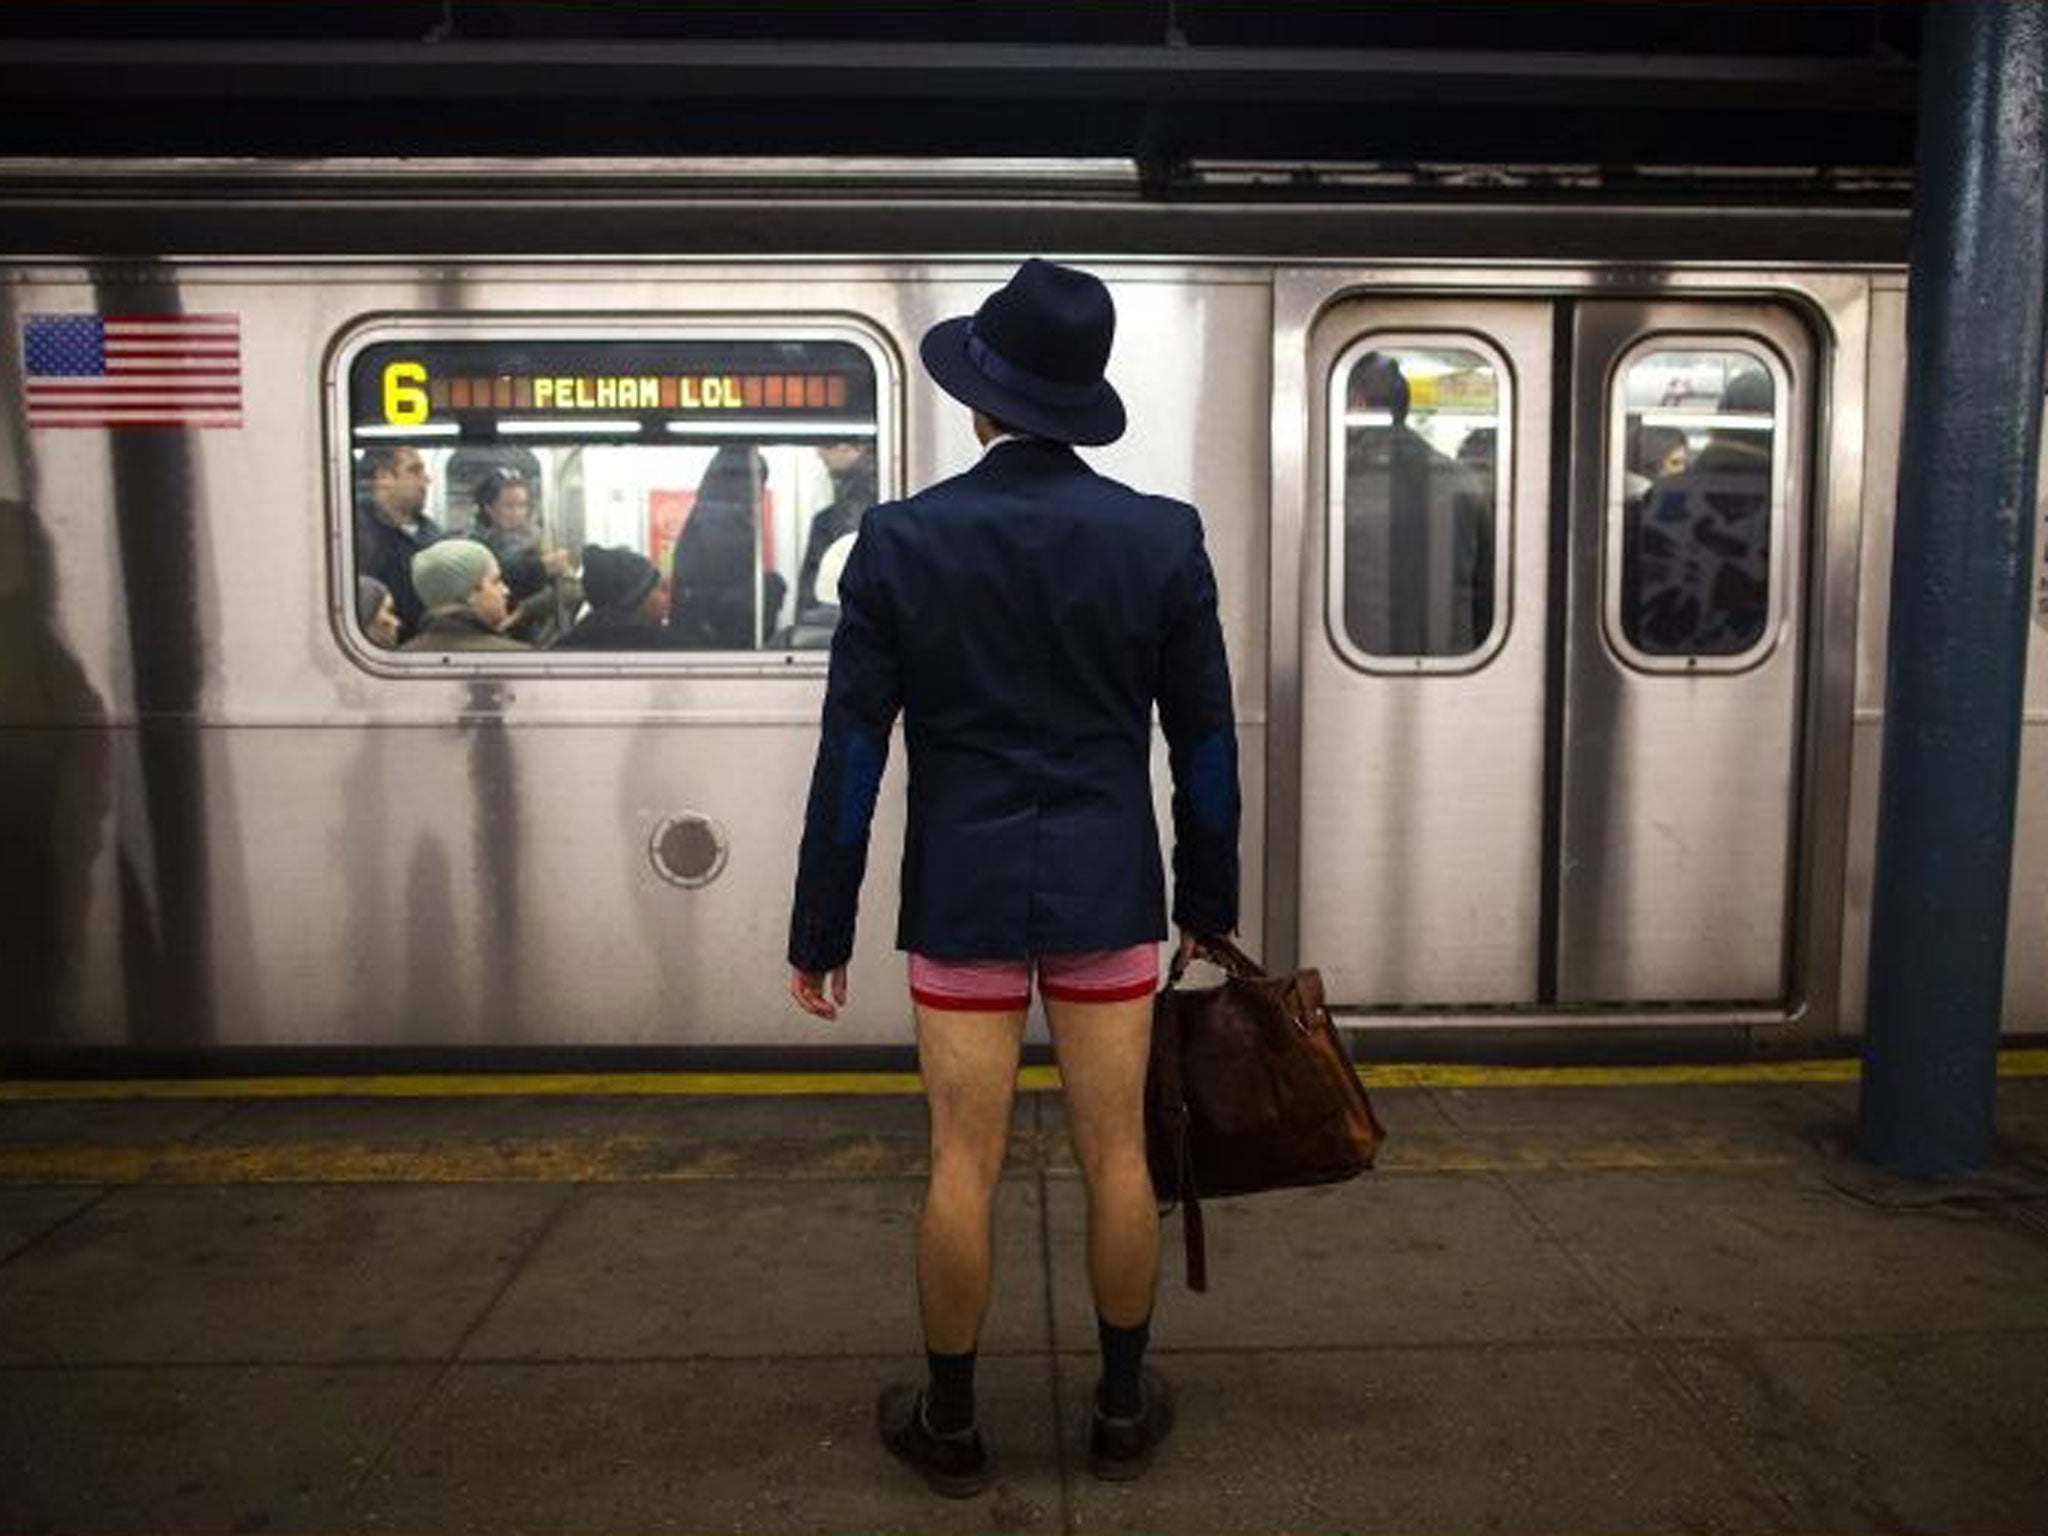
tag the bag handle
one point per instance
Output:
(1221, 952)
(1225, 953)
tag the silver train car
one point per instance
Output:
(1553, 546)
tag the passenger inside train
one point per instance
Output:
(852, 467)
(832, 529)
(628, 604)
(540, 578)
(814, 624)
(376, 613)
(1418, 523)
(1479, 451)
(717, 602)
(392, 526)
(1697, 542)
(1653, 452)
(464, 599)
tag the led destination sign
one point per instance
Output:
(409, 391)
(480, 387)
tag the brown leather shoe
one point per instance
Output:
(1121, 1449)
(958, 1465)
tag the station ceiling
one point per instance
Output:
(1683, 94)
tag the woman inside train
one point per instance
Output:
(543, 590)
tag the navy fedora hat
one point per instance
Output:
(1033, 356)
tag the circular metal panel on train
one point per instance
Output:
(688, 850)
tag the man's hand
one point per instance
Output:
(808, 988)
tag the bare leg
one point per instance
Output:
(1103, 1048)
(969, 1062)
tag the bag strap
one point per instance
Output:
(1194, 1247)
(1194, 1243)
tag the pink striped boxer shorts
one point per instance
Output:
(1004, 986)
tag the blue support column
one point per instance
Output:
(1960, 589)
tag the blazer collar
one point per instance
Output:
(996, 442)
(1027, 454)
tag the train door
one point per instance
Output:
(1550, 684)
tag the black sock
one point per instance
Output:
(1122, 1393)
(949, 1401)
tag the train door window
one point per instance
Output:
(571, 490)
(1419, 462)
(1695, 503)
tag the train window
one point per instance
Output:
(1418, 461)
(569, 493)
(1694, 503)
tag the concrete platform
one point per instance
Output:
(1614, 1305)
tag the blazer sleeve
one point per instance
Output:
(1201, 737)
(862, 696)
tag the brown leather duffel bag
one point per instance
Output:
(1248, 1089)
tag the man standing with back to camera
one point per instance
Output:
(1024, 617)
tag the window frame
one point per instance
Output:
(1335, 425)
(340, 443)
(1614, 469)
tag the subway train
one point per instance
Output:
(1552, 531)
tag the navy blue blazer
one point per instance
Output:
(1024, 617)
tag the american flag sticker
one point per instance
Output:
(133, 370)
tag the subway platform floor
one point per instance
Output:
(1664, 1300)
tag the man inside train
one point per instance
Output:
(394, 526)
(852, 467)
(628, 603)
(720, 597)
(1418, 529)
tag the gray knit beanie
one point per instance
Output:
(444, 574)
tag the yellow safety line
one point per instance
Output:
(2011, 1064)
(650, 1160)
(447, 1085)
